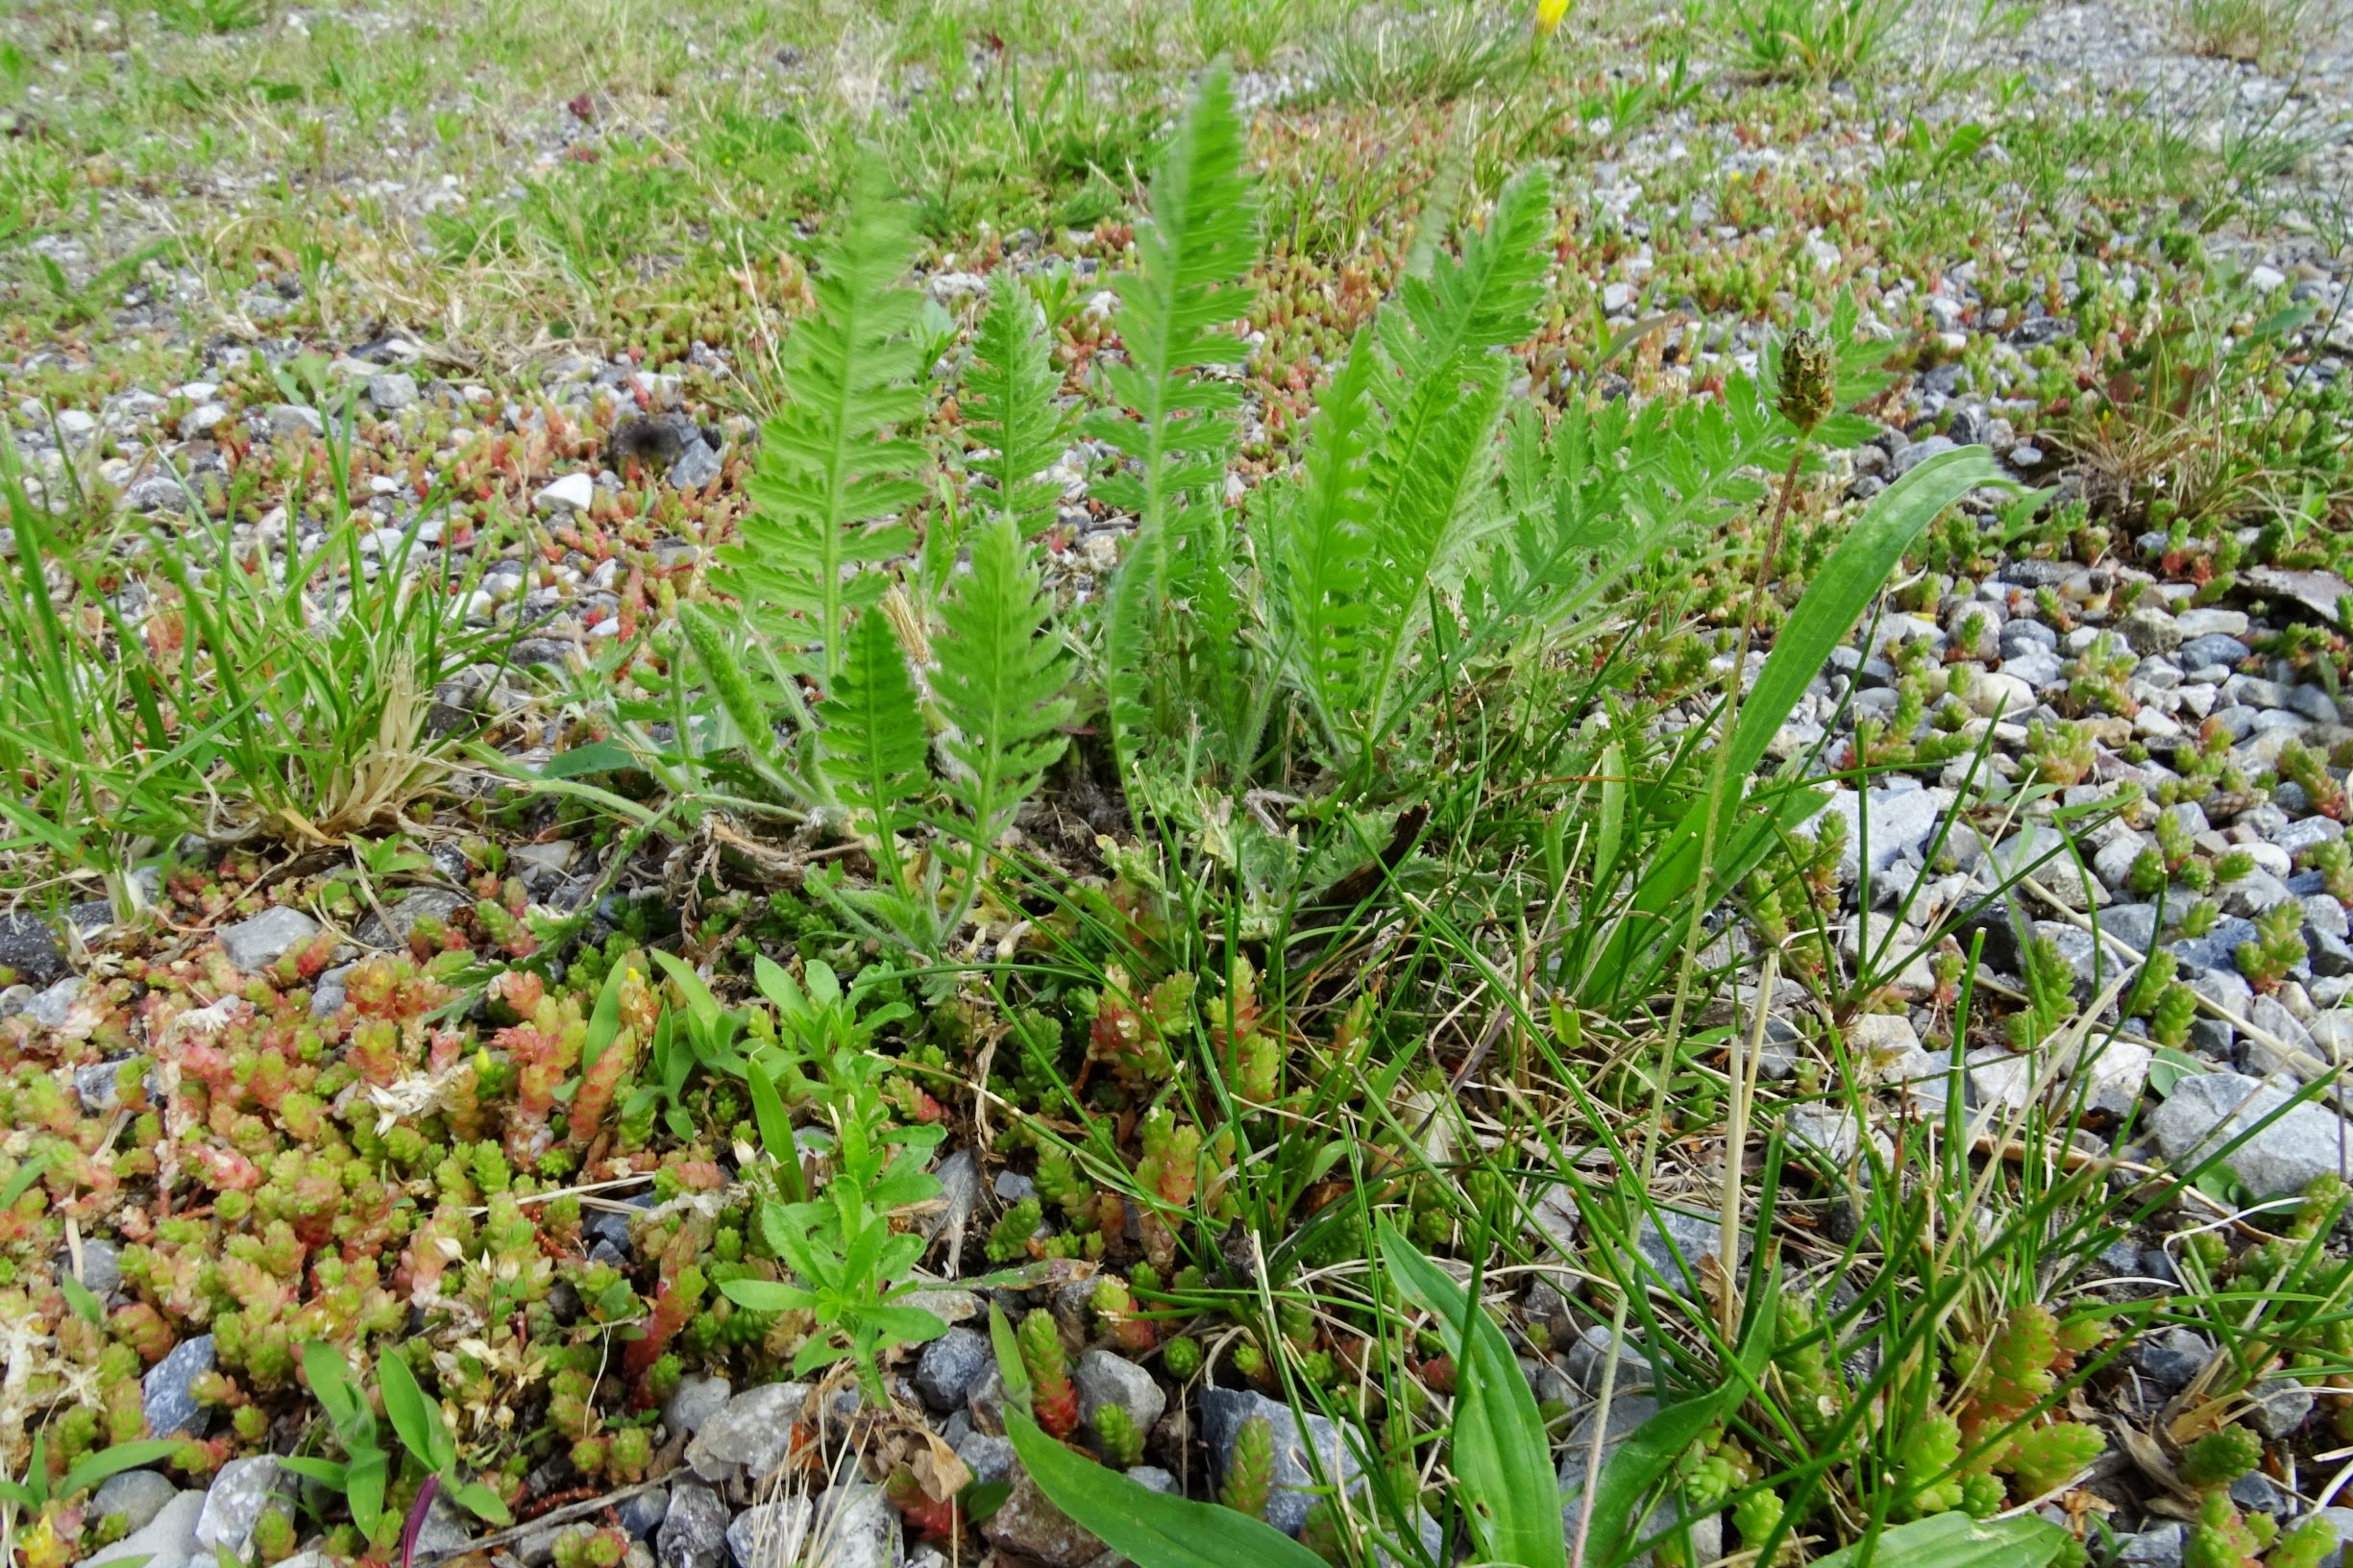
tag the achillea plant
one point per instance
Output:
(836, 475)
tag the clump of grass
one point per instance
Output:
(1431, 56)
(2257, 31)
(1814, 40)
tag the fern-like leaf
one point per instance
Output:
(872, 736)
(834, 472)
(1008, 404)
(1319, 561)
(999, 681)
(1441, 336)
(741, 696)
(1488, 299)
(1191, 256)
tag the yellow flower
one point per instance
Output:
(1548, 16)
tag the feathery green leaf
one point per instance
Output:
(873, 734)
(999, 681)
(1008, 404)
(1443, 392)
(1488, 299)
(834, 472)
(1202, 238)
(1318, 562)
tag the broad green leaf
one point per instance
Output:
(1501, 1456)
(2169, 1066)
(370, 1472)
(775, 1126)
(480, 1501)
(1012, 1371)
(1635, 1469)
(22, 1183)
(815, 1353)
(596, 757)
(1613, 813)
(413, 1416)
(698, 998)
(331, 1473)
(86, 1307)
(904, 1325)
(1955, 1540)
(767, 1295)
(329, 1378)
(1835, 599)
(982, 1497)
(1151, 1528)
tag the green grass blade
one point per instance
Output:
(114, 1461)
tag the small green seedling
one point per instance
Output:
(366, 1468)
(425, 1433)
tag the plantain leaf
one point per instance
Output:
(1502, 1459)
(776, 1130)
(767, 1295)
(605, 1024)
(85, 1305)
(481, 1502)
(1837, 596)
(414, 1417)
(1955, 1540)
(1634, 1471)
(329, 1473)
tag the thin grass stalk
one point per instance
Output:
(1745, 1058)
